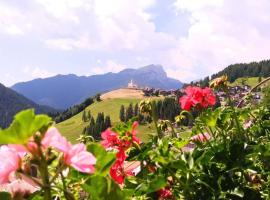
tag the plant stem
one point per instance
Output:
(155, 118)
(233, 108)
(45, 177)
(173, 131)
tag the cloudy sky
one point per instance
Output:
(190, 38)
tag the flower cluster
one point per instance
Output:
(121, 143)
(197, 97)
(165, 193)
(13, 155)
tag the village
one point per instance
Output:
(237, 93)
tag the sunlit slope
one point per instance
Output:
(251, 81)
(73, 127)
(123, 93)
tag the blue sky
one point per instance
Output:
(190, 38)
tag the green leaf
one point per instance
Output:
(104, 159)
(24, 125)
(152, 185)
(178, 164)
(101, 188)
(5, 196)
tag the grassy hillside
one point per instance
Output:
(73, 127)
(251, 81)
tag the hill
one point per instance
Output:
(11, 103)
(251, 81)
(253, 69)
(73, 127)
(123, 93)
(63, 91)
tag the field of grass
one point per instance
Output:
(251, 81)
(73, 127)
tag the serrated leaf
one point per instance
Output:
(104, 159)
(24, 125)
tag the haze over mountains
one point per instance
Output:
(63, 91)
(11, 103)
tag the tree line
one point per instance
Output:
(74, 110)
(96, 126)
(167, 108)
(235, 71)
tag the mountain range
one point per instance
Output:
(63, 91)
(11, 103)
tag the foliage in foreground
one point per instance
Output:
(225, 156)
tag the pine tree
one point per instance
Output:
(122, 113)
(100, 126)
(88, 116)
(92, 126)
(129, 112)
(84, 118)
(98, 97)
(107, 122)
(136, 110)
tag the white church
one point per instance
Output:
(132, 85)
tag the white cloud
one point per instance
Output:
(109, 66)
(225, 31)
(222, 32)
(36, 72)
(9, 20)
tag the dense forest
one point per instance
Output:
(235, 71)
(252, 69)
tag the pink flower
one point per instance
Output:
(196, 96)
(54, 139)
(247, 124)
(110, 139)
(20, 187)
(80, 159)
(208, 98)
(186, 103)
(10, 162)
(165, 193)
(201, 137)
(135, 132)
(74, 155)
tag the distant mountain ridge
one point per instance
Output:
(63, 91)
(11, 103)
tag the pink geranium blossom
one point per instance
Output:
(197, 97)
(74, 155)
(134, 132)
(79, 158)
(19, 187)
(110, 139)
(10, 162)
(201, 137)
(54, 139)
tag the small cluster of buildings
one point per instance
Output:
(237, 93)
